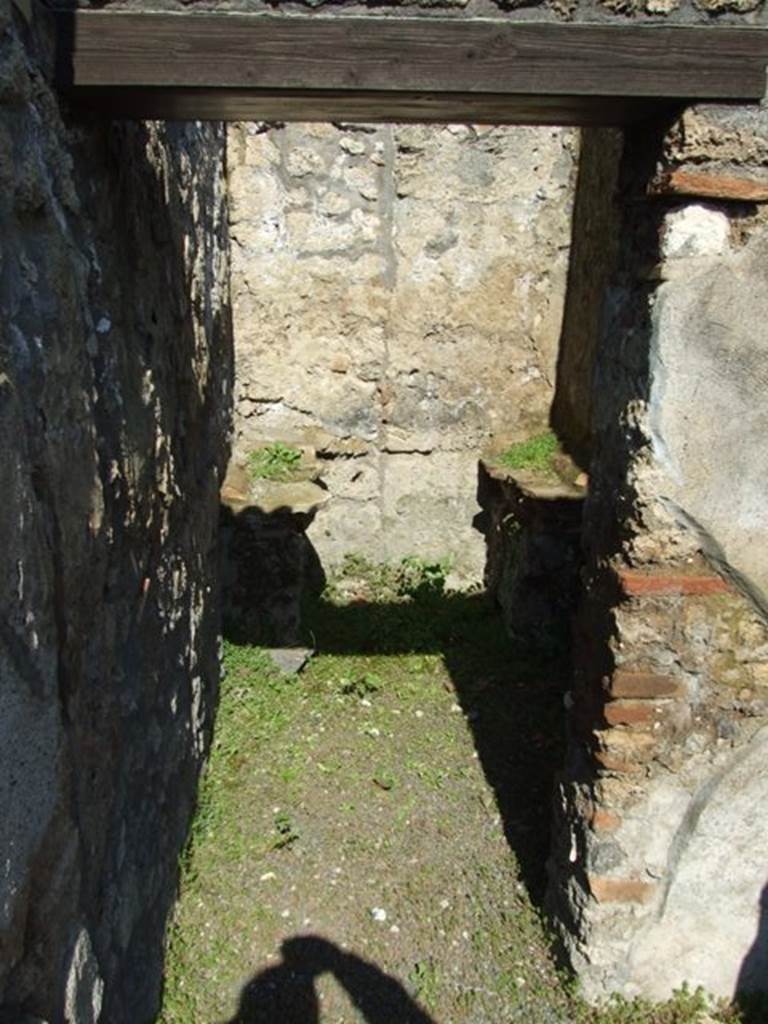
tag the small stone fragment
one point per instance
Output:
(290, 660)
(351, 145)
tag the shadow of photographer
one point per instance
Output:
(286, 993)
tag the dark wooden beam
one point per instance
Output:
(240, 66)
(351, 107)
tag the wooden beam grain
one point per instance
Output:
(432, 55)
(390, 68)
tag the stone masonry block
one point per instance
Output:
(608, 762)
(604, 821)
(621, 890)
(623, 751)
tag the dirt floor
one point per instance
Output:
(372, 833)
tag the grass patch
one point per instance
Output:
(536, 452)
(424, 978)
(275, 461)
(256, 705)
(685, 1007)
(359, 579)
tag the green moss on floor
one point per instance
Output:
(371, 835)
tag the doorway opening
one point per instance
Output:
(401, 531)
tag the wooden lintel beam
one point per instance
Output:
(255, 66)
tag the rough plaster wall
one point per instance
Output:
(397, 303)
(721, 841)
(114, 395)
(708, 415)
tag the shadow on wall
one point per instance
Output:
(286, 993)
(175, 443)
(751, 996)
(116, 352)
(269, 566)
(594, 251)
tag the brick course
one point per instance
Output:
(640, 583)
(643, 685)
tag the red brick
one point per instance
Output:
(644, 685)
(711, 185)
(627, 712)
(621, 890)
(656, 584)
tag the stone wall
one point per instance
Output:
(115, 369)
(594, 250)
(658, 871)
(397, 304)
(533, 524)
(416, 261)
(686, 12)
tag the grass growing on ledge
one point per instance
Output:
(276, 461)
(536, 452)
